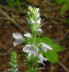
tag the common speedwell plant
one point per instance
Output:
(37, 49)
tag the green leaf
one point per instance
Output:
(65, 7)
(55, 47)
(60, 1)
(52, 56)
(38, 40)
(46, 40)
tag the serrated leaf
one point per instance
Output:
(52, 56)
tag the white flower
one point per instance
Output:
(17, 42)
(29, 13)
(32, 21)
(39, 30)
(37, 10)
(41, 59)
(28, 35)
(16, 70)
(39, 21)
(38, 15)
(30, 8)
(45, 47)
(31, 49)
(18, 37)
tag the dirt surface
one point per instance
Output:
(55, 27)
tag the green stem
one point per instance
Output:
(34, 35)
(30, 67)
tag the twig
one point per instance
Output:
(63, 66)
(12, 20)
(17, 19)
(3, 54)
(9, 50)
(3, 18)
(60, 65)
(42, 68)
(62, 37)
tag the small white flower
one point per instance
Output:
(32, 21)
(18, 37)
(41, 59)
(17, 42)
(16, 70)
(37, 10)
(38, 15)
(15, 65)
(39, 21)
(28, 35)
(39, 30)
(30, 8)
(45, 47)
(26, 48)
(31, 49)
(29, 13)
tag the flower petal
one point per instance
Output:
(41, 59)
(30, 54)
(37, 10)
(35, 51)
(17, 35)
(28, 35)
(17, 42)
(38, 15)
(27, 48)
(45, 47)
(39, 30)
(32, 21)
(38, 22)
